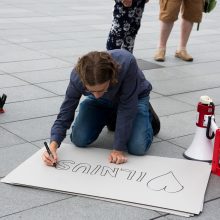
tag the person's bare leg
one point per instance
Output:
(186, 28)
(165, 30)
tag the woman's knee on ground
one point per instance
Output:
(79, 139)
(139, 148)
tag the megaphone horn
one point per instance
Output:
(201, 148)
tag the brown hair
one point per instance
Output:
(96, 68)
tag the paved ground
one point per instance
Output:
(40, 41)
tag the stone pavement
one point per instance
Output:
(40, 41)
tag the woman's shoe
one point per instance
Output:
(183, 55)
(160, 55)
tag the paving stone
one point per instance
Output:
(173, 126)
(51, 44)
(211, 212)
(23, 93)
(193, 98)
(74, 208)
(58, 88)
(10, 81)
(45, 75)
(32, 65)
(184, 141)
(167, 106)
(13, 156)
(15, 199)
(22, 32)
(78, 51)
(10, 53)
(32, 129)
(175, 86)
(145, 65)
(8, 139)
(31, 109)
(165, 149)
(28, 38)
(213, 190)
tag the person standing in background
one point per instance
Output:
(126, 22)
(191, 11)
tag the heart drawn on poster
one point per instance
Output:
(167, 182)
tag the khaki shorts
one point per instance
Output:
(191, 10)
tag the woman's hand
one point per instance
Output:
(50, 160)
(127, 3)
(117, 157)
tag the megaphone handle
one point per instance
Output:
(208, 129)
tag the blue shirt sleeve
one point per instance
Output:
(67, 111)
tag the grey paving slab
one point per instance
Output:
(211, 212)
(83, 35)
(74, 208)
(31, 109)
(181, 124)
(71, 59)
(10, 81)
(45, 75)
(184, 71)
(28, 38)
(2, 42)
(33, 129)
(52, 44)
(207, 57)
(58, 87)
(11, 157)
(197, 49)
(13, 32)
(8, 25)
(15, 199)
(175, 86)
(154, 95)
(194, 97)
(31, 65)
(165, 149)
(78, 51)
(184, 141)
(8, 139)
(96, 43)
(23, 93)
(14, 53)
(29, 20)
(213, 190)
(167, 106)
(145, 65)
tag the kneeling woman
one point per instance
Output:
(117, 96)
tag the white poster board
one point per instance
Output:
(166, 183)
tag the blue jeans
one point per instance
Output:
(93, 116)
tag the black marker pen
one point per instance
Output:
(49, 152)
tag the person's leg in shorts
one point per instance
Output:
(191, 13)
(169, 10)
